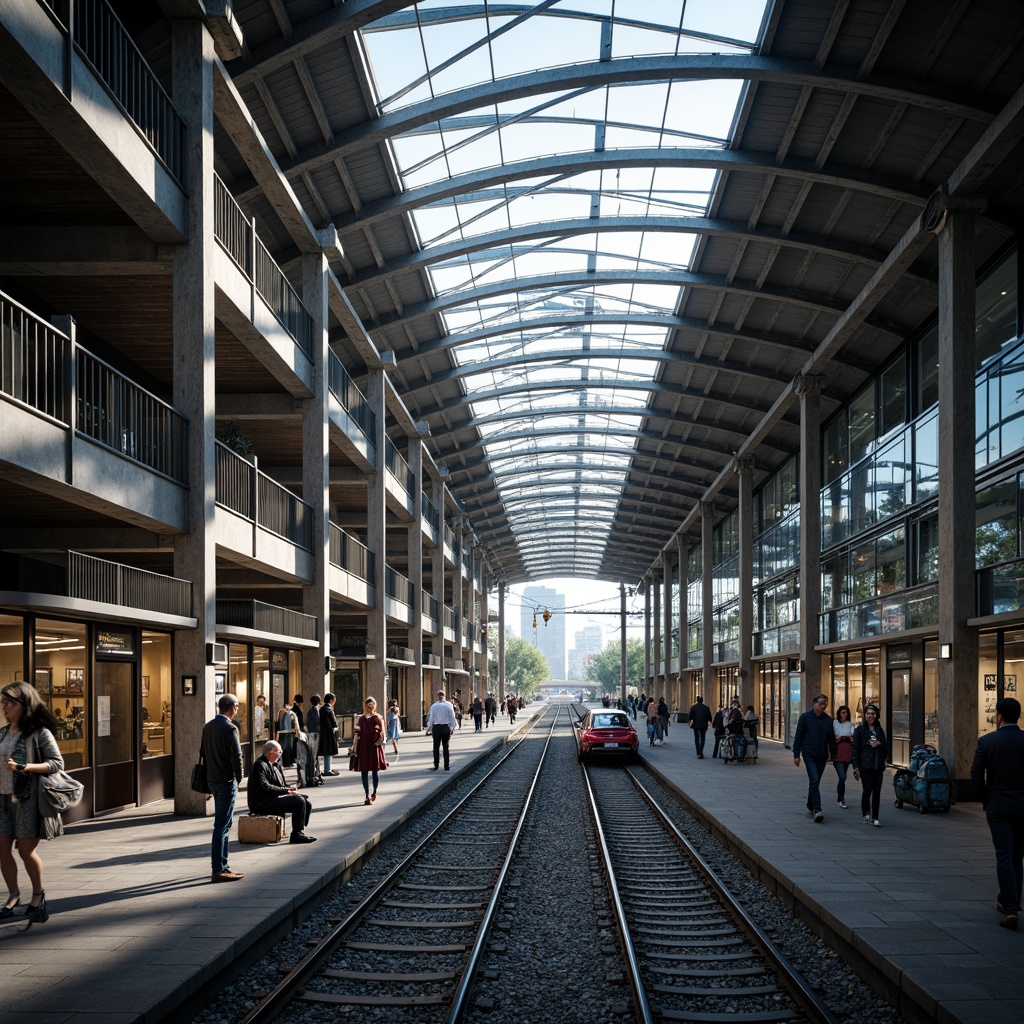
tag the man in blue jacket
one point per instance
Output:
(998, 777)
(815, 739)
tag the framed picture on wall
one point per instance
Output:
(75, 680)
(43, 679)
(145, 686)
(221, 680)
(1011, 684)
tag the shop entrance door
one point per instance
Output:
(115, 729)
(899, 708)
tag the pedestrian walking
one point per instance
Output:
(513, 706)
(313, 741)
(663, 716)
(815, 739)
(478, 713)
(28, 750)
(328, 734)
(368, 748)
(998, 777)
(490, 709)
(718, 726)
(700, 719)
(222, 752)
(869, 755)
(440, 723)
(394, 726)
(843, 729)
(652, 722)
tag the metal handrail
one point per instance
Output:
(430, 605)
(398, 467)
(33, 360)
(353, 401)
(430, 513)
(97, 579)
(350, 554)
(397, 586)
(266, 618)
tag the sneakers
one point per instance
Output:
(876, 823)
(842, 803)
(819, 817)
(226, 876)
(867, 819)
(301, 837)
(332, 772)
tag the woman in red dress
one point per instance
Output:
(368, 748)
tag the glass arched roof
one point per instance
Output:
(527, 198)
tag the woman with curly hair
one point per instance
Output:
(27, 751)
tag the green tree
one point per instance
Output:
(606, 666)
(525, 667)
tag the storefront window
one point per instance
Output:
(931, 693)
(12, 649)
(348, 689)
(238, 684)
(156, 694)
(61, 679)
(988, 681)
(1013, 663)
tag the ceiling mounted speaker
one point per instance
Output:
(936, 211)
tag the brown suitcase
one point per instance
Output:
(260, 828)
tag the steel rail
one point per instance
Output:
(457, 1009)
(641, 1006)
(806, 999)
(284, 991)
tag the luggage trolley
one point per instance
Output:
(727, 750)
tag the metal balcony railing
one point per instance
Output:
(349, 554)
(115, 412)
(266, 618)
(243, 489)
(911, 608)
(451, 620)
(397, 586)
(396, 653)
(430, 513)
(237, 236)
(104, 43)
(96, 579)
(398, 467)
(430, 605)
(34, 361)
(449, 538)
(353, 401)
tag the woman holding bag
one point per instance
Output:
(27, 751)
(368, 748)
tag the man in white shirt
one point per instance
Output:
(440, 722)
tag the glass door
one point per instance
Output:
(114, 687)
(899, 708)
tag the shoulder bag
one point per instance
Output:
(58, 792)
(199, 782)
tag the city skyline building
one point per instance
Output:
(548, 638)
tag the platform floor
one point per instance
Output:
(916, 898)
(137, 928)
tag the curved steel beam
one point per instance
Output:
(669, 278)
(696, 67)
(588, 450)
(655, 387)
(511, 472)
(567, 165)
(554, 512)
(818, 245)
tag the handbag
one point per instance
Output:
(58, 792)
(199, 781)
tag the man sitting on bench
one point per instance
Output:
(268, 793)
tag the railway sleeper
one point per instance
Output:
(362, 999)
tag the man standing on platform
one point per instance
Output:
(223, 756)
(440, 722)
(700, 719)
(998, 777)
(816, 739)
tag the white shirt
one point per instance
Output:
(441, 713)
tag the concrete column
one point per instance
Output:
(194, 351)
(316, 480)
(683, 552)
(437, 583)
(622, 643)
(666, 562)
(472, 617)
(647, 635)
(707, 552)
(809, 390)
(501, 640)
(656, 667)
(376, 534)
(958, 676)
(415, 549)
(458, 589)
(745, 470)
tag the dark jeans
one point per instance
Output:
(295, 804)
(1008, 839)
(442, 734)
(871, 780)
(223, 810)
(478, 722)
(842, 767)
(718, 744)
(366, 781)
(699, 736)
(814, 766)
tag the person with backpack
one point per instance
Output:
(870, 750)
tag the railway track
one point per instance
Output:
(690, 950)
(414, 942)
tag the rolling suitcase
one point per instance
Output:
(260, 828)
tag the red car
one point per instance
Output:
(606, 732)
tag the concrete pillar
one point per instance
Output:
(809, 390)
(437, 584)
(194, 351)
(316, 480)
(656, 657)
(458, 589)
(647, 635)
(683, 552)
(415, 548)
(472, 617)
(745, 470)
(666, 562)
(501, 640)
(958, 676)
(707, 552)
(376, 534)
